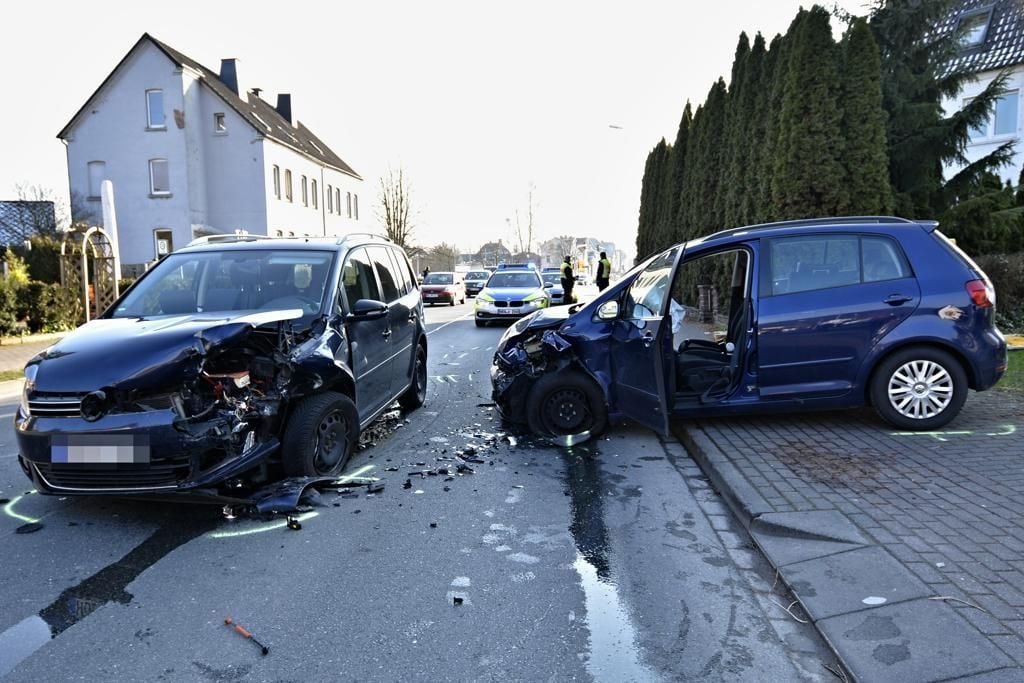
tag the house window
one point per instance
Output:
(316, 195)
(973, 27)
(97, 174)
(1006, 113)
(288, 184)
(163, 243)
(305, 191)
(155, 118)
(159, 177)
(330, 199)
(219, 125)
(348, 202)
(337, 200)
(277, 181)
(355, 206)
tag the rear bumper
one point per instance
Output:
(990, 360)
(438, 298)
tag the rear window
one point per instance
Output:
(478, 275)
(439, 279)
(952, 246)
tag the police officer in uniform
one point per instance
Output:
(604, 272)
(567, 279)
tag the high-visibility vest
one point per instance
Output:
(566, 268)
(605, 270)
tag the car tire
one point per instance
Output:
(452, 302)
(919, 389)
(481, 323)
(321, 435)
(567, 403)
(416, 394)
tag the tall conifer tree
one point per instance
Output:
(736, 140)
(866, 156)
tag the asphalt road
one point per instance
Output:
(613, 561)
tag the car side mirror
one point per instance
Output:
(609, 310)
(367, 309)
(549, 285)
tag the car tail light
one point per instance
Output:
(981, 293)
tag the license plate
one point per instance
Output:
(99, 449)
(508, 311)
(430, 296)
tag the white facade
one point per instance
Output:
(1003, 126)
(219, 166)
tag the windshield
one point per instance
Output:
(551, 278)
(478, 275)
(227, 281)
(520, 279)
(439, 279)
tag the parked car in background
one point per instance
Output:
(813, 314)
(475, 281)
(514, 290)
(443, 288)
(553, 283)
(582, 279)
(230, 363)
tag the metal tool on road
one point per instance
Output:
(264, 650)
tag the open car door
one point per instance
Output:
(640, 342)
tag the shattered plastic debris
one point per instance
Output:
(375, 487)
(294, 524)
(456, 600)
(407, 484)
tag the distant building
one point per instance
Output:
(193, 152)
(993, 41)
(493, 253)
(20, 220)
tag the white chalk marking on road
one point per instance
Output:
(874, 600)
(260, 529)
(450, 322)
(9, 511)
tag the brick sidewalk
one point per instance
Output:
(13, 356)
(947, 506)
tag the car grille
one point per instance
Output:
(55, 405)
(162, 473)
(503, 304)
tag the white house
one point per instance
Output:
(993, 42)
(192, 152)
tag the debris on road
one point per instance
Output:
(294, 524)
(29, 528)
(241, 630)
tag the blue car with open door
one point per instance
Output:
(813, 314)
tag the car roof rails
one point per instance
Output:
(227, 239)
(811, 222)
(377, 235)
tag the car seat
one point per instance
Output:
(177, 301)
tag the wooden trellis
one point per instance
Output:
(87, 264)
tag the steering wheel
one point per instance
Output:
(287, 302)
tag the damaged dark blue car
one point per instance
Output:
(814, 314)
(228, 365)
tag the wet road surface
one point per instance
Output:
(612, 561)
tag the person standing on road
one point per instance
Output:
(567, 279)
(604, 272)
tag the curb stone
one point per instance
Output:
(896, 631)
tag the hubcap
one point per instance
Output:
(421, 375)
(332, 440)
(566, 411)
(920, 389)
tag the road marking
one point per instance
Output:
(7, 415)
(260, 529)
(461, 355)
(9, 511)
(465, 317)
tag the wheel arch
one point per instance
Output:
(937, 344)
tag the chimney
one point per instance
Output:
(229, 76)
(284, 107)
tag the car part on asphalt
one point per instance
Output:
(242, 631)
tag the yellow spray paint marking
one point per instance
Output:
(260, 529)
(1007, 430)
(9, 511)
(355, 475)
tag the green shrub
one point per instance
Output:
(1007, 274)
(9, 302)
(43, 259)
(50, 307)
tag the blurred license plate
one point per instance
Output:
(100, 449)
(508, 311)
(430, 296)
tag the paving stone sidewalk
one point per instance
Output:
(14, 355)
(848, 508)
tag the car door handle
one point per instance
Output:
(648, 339)
(897, 299)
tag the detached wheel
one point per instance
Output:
(566, 404)
(919, 388)
(321, 435)
(416, 394)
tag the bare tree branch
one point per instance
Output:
(394, 206)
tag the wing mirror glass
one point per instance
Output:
(609, 310)
(368, 309)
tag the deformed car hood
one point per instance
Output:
(150, 353)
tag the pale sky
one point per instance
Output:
(476, 100)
